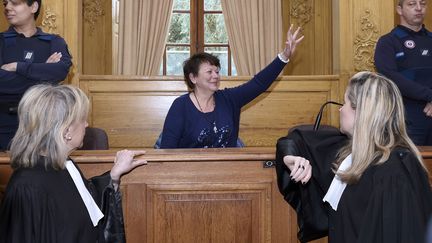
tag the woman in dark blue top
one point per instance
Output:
(208, 117)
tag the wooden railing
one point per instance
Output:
(199, 195)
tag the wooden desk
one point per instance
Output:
(213, 195)
(196, 195)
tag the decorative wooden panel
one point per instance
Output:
(97, 37)
(133, 109)
(219, 213)
(314, 54)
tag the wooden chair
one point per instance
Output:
(95, 139)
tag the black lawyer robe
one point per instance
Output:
(320, 148)
(390, 203)
(44, 205)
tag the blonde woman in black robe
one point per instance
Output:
(47, 198)
(380, 190)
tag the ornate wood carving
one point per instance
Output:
(301, 12)
(364, 43)
(93, 9)
(49, 21)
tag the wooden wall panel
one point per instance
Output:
(97, 37)
(133, 109)
(225, 213)
(360, 23)
(314, 55)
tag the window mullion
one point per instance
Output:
(200, 25)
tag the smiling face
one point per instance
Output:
(412, 13)
(207, 79)
(18, 13)
(347, 117)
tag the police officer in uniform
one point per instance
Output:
(405, 56)
(28, 56)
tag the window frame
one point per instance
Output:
(196, 13)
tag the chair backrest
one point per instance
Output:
(95, 139)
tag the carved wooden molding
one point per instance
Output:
(93, 9)
(49, 21)
(364, 44)
(301, 12)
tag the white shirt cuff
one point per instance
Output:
(280, 58)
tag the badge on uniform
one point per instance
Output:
(425, 52)
(28, 56)
(400, 54)
(410, 44)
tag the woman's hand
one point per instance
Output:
(291, 43)
(54, 58)
(124, 162)
(300, 168)
(11, 67)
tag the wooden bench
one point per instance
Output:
(132, 109)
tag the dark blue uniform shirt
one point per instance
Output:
(30, 54)
(405, 57)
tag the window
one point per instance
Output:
(196, 26)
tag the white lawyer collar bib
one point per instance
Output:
(337, 186)
(92, 208)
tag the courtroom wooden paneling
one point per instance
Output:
(314, 54)
(358, 25)
(132, 110)
(97, 37)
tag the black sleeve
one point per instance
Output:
(320, 148)
(111, 226)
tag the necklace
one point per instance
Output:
(205, 117)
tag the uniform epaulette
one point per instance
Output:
(399, 33)
(47, 37)
(9, 34)
(44, 36)
(9, 38)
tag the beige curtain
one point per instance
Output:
(143, 29)
(254, 31)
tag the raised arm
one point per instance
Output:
(293, 39)
(261, 82)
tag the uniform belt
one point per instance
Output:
(8, 107)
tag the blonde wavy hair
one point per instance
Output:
(379, 124)
(45, 112)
